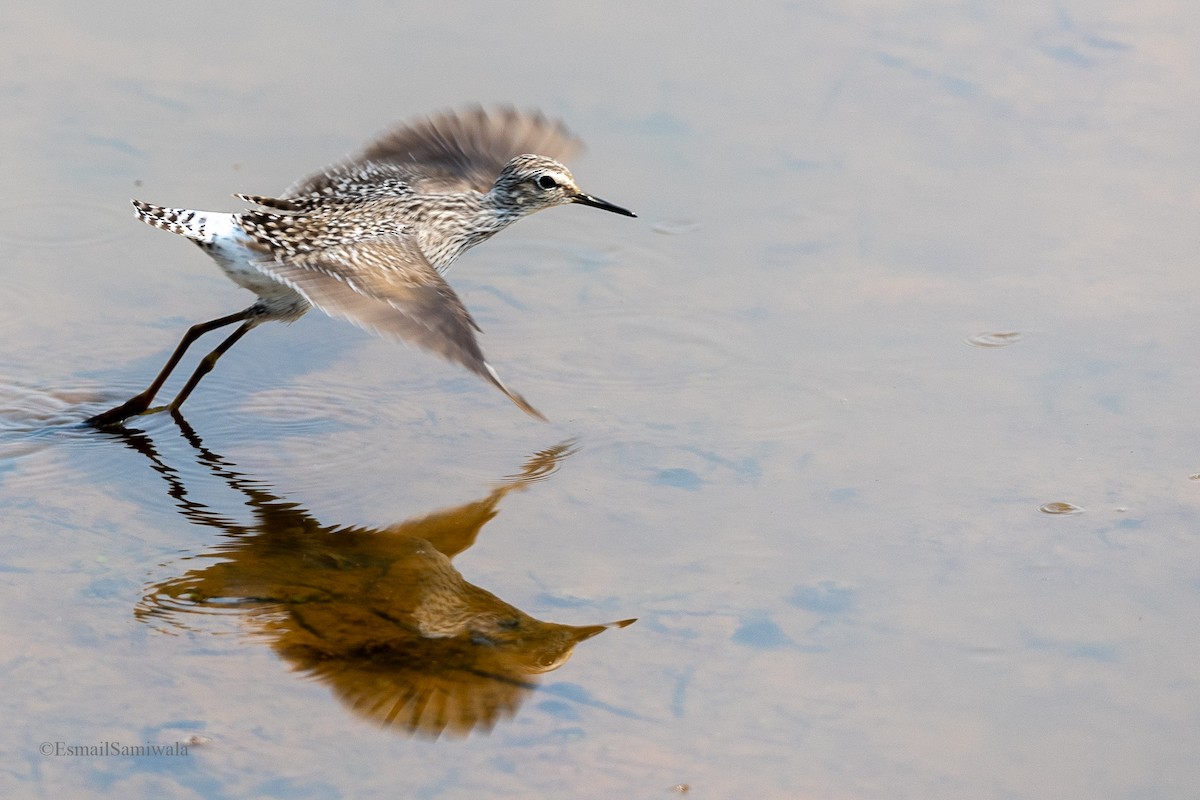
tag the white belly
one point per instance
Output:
(228, 246)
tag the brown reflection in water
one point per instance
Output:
(379, 615)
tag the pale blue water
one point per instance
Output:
(796, 465)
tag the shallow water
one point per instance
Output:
(879, 418)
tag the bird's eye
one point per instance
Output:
(546, 182)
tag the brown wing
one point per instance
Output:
(456, 150)
(386, 285)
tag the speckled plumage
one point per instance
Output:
(366, 239)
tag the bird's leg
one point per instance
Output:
(209, 361)
(140, 402)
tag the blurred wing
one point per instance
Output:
(386, 285)
(453, 151)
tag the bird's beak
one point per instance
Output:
(583, 632)
(596, 202)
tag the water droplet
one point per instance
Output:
(994, 338)
(1060, 508)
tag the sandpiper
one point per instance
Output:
(366, 239)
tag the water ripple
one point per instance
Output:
(596, 349)
(60, 222)
(312, 408)
(31, 418)
(29, 409)
(676, 227)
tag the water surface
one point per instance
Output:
(907, 279)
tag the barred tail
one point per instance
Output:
(199, 226)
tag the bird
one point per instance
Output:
(368, 238)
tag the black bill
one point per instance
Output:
(596, 202)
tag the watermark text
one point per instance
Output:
(112, 748)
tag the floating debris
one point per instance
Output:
(994, 338)
(1060, 508)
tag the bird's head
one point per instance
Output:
(530, 183)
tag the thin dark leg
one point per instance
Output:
(209, 361)
(140, 402)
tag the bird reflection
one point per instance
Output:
(381, 616)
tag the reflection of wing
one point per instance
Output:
(386, 284)
(402, 650)
(411, 695)
(417, 646)
(451, 152)
(425, 685)
(453, 530)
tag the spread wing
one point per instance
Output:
(453, 151)
(385, 284)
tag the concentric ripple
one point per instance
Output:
(59, 222)
(31, 420)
